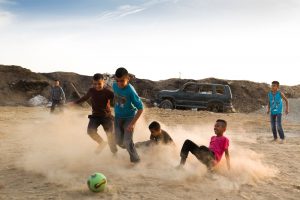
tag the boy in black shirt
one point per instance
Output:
(101, 113)
(158, 136)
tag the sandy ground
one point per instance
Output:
(45, 156)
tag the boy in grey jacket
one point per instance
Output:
(57, 96)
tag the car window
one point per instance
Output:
(206, 89)
(220, 89)
(192, 88)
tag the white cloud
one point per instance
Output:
(5, 18)
(120, 12)
(125, 10)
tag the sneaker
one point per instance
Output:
(282, 141)
(100, 147)
(274, 140)
(115, 155)
(179, 167)
(136, 161)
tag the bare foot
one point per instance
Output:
(100, 147)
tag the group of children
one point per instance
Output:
(128, 108)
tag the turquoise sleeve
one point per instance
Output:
(136, 100)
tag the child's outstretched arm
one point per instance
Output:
(286, 103)
(227, 159)
(81, 100)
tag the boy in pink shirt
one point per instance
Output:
(212, 155)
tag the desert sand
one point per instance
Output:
(44, 156)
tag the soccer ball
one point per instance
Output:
(97, 182)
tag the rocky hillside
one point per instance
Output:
(18, 85)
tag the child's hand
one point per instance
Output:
(286, 111)
(130, 127)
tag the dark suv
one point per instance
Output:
(213, 97)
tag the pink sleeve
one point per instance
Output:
(226, 144)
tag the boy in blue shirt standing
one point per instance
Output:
(275, 97)
(128, 109)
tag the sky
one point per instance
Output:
(256, 40)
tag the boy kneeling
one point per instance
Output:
(158, 136)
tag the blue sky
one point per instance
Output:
(58, 7)
(156, 39)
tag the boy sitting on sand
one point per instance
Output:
(157, 136)
(212, 155)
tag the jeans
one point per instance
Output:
(276, 126)
(107, 123)
(58, 103)
(202, 153)
(124, 138)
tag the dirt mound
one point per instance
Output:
(18, 85)
(67, 79)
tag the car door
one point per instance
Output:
(205, 94)
(188, 95)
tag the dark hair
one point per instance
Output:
(120, 72)
(222, 121)
(98, 77)
(154, 125)
(56, 80)
(275, 83)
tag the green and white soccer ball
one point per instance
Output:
(97, 182)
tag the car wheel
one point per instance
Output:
(216, 107)
(166, 104)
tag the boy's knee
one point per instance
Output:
(187, 142)
(127, 143)
(91, 131)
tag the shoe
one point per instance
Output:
(100, 147)
(136, 161)
(115, 155)
(282, 141)
(274, 140)
(179, 167)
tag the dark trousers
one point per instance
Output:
(57, 103)
(277, 126)
(202, 153)
(107, 124)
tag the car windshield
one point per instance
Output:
(192, 88)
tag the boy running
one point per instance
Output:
(101, 113)
(128, 109)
